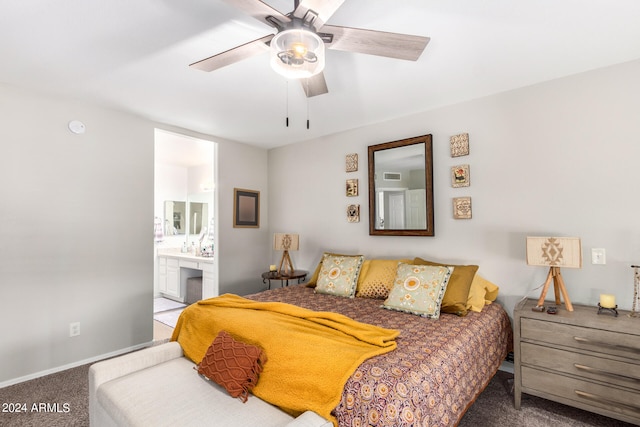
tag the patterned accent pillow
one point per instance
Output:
(339, 275)
(314, 277)
(377, 280)
(419, 289)
(457, 293)
(232, 364)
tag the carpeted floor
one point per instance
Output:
(494, 407)
(65, 398)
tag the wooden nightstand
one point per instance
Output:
(579, 358)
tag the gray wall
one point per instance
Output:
(76, 231)
(244, 252)
(74, 236)
(559, 158)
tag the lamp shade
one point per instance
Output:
(554, 251)
(297, 53)
(285, 242)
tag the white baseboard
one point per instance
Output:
(74, 364)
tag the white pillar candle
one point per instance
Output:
(272, 267)
(607, 300)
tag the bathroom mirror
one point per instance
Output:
(401, 188)
(175, 216)
(198, 217)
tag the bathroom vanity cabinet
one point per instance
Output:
(175, 267)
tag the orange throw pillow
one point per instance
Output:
(234, 365)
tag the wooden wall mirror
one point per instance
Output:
(401, 188)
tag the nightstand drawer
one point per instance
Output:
(591, 339)
(616, 400)
(583, 365)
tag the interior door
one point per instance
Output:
(396, 210)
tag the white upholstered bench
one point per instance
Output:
(158, 386)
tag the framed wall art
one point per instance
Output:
(462, 207)
(246, 208)
(352, 162)
(353, 213)
(459, 145)
(352, 187)
(460, 176)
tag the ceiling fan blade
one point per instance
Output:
(392, 45)
(324, 9)
(314, 85)
(259, 10)
(234, 55)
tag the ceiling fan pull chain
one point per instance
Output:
(307, 82)
(287, 103)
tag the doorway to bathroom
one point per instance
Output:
(184, 222)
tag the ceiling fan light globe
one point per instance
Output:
(299, 49)
(297, 53)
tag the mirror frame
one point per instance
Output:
(428, 169)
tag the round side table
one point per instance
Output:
(298, 275)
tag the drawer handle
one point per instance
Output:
(604, 344)
(602, 372)
(606, 401)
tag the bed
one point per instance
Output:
(433, 376)
(420, 370)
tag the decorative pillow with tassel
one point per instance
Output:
(233, 364)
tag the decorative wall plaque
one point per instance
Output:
(352, 162)
(352, 187)
(459, 145)
(353, 213)
(462, 207)
(460, 176)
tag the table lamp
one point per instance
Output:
(285, 242)
(554, 252)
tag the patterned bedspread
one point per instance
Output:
(435, 374)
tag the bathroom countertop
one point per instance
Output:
(177, 253)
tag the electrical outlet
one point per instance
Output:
(598, 256)
(74, 329)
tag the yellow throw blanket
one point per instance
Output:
(310, 354)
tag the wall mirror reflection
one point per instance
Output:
(199, 212)
(175, 217)
(401, 187)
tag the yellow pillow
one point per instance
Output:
(314, 278)
(482, 293)
(376, 281)
(457, 293)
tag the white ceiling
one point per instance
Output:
(134, 56)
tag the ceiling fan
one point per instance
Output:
(297, 48)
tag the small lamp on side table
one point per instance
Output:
(554, 252)
(285, 242)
